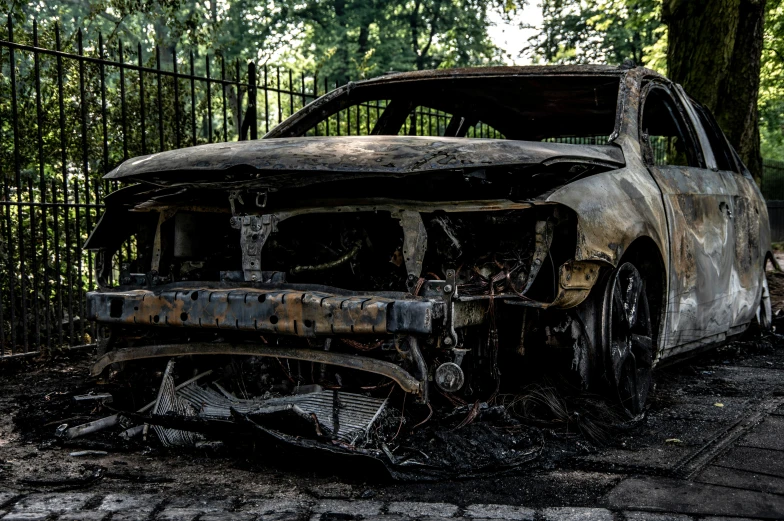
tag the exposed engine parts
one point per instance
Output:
(416, 289)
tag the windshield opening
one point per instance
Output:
(562, 109)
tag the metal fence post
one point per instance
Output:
(250, 112)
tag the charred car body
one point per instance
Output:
(442, 262)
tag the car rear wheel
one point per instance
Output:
(628, 338)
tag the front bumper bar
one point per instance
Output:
(274, 311)
(403, 378)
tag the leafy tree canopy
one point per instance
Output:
(340, 38)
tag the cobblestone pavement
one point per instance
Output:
(127, 507)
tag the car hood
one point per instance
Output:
(265, 161)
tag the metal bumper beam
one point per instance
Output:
(402, 377)
(274, 311)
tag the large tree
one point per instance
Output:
(715, 47)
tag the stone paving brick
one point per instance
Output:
(6, 496)
(337, 506)
(283, 516)
(84, 516)
(388, 517)
(130, 515)
(417, 510)
(509, 512)
(432, 518)
(273, 506)
(53, 503)
(713, 518)
(576, 514)
(26, 516)
(228, 516)
(178, 514)
(332, 491)
(651, 516)
(141, 504)
(206, 505)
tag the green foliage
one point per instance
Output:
(338, 38)
(771, 100)
(599, 31)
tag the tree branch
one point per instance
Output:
(433, 29)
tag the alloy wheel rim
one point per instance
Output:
(630, 339)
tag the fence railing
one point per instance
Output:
(72, 110)
(772, 185)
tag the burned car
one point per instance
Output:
(491, 219)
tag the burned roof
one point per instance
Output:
(521, 70)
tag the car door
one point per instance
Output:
(748, 210)
(698, 208)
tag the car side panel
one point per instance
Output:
(752, 242)
(698, 208)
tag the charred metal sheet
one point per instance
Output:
(414, 244)
(575, 281)
(271, 162)
(284, 312)
(357, 205)
(576, 278)
(394, 372)
(254, 232)
(544, 237)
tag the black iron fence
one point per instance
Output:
(772, 185)
(772, 188)
(70, 111)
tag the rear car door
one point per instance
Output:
(748, 210)
(698, 207)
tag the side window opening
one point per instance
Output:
(722, 151)
(666, 138)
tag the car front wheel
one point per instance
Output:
(628, 338)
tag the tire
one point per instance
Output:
(627, 338)
(764, 310)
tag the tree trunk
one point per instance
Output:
(714, 52)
